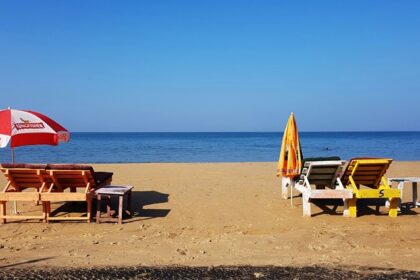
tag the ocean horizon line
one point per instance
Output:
(312, 131)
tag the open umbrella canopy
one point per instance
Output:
(23, 128)
(290, 161)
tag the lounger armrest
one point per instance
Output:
(384, 182)
(88, 188)
(306, 182)
(7, 186)
(340, 185)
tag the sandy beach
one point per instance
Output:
(213, 214)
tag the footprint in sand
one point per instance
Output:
(316, 247)
(182, 252)
(172, 235)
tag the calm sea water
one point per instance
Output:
(216, 147)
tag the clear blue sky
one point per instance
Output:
(213, 65)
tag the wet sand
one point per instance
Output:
(217, 214)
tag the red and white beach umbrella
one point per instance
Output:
(24, 128)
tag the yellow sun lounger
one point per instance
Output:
(366, 179)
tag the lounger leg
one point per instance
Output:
(306, 205)
(15, 211)
(37, 202)
(2, 212)
(346, 208)
(352, 207)
(89, 209)
(377, 209)
(44, 212)
(393, 207)
(47, 211)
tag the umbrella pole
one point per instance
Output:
(14, 202)
(291, 193)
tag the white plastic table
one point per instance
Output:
(401, 182)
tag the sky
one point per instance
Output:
(167, 66)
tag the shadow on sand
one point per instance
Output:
(139, 200)
(147, 198)
(365, 207)
(24, 262)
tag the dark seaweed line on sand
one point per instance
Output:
(220, 272)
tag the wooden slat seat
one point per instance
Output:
(24, 183)
(73, 183)
(365, 177)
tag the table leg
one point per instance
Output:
(108, 206)
(415, 194)
(130, 209)
(120, 208)
(98, 208)
(401, 188)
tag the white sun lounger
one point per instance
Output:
(320, 180)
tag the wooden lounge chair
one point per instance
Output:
(73, 183)
(24, 183)
(365, 177)
(320, 180)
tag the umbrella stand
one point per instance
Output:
(291, 192)
(14, 202)
(287, 183)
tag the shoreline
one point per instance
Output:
(192, 162)
(181, 162)
(217, 147)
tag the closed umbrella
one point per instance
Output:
(24, 128)
(290, 160)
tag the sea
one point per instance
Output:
(133, 147)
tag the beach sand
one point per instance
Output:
(213, 214)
